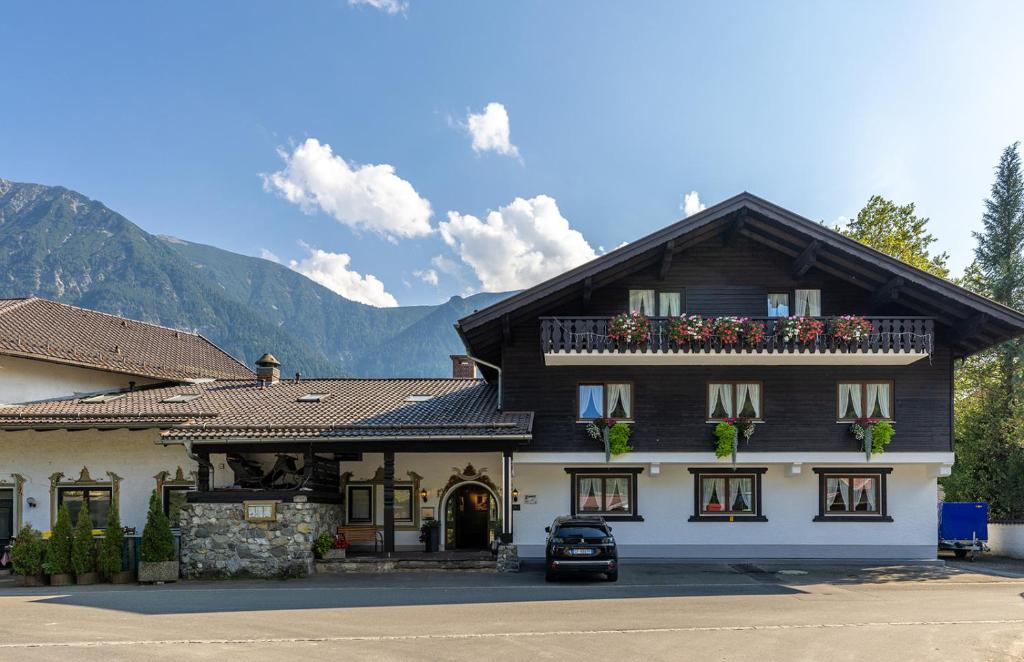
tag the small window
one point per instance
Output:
(418, 397)
(808, 303)
(727, 495)
(100, 399)
(642, 301)
(96, 499)
(604, 494)
(175, 497)
(778, 304)
(360, 504)
(852, 495)
(856, 400)
(605, 400)
(735, 400)
(182, 397)
(403, 503)
(669, 304)
(312, 397)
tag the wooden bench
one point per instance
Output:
(353, 533)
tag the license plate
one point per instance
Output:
(581, 552)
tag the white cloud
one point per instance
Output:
(367, 197)
(267, 255)
(445, 265)
(490, 130)
(428, 276)
(692, 204)
(518, 245)
(387, 6)
(331, 270)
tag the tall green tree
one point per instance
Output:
(897, 231)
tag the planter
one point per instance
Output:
(433, 541)
(87, 578)
(160, 571)
(122, 577)
(62, 579)
(34, 580)
(334, 554)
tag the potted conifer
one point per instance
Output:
(58, 550)
(83, 549)
(27, 555)
(156, 556)
(110, 563)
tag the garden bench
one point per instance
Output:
(353, 533)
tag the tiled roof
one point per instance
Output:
(47, 330)
(350, 408)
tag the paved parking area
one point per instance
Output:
(787, 611)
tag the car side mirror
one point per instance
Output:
(609, 529)
(547, 529)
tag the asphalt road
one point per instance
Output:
(706, 612)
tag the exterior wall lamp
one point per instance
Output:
(515, 495)
(423, 494)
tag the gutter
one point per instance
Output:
(321, 440)
(465, 343)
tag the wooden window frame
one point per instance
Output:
(348, 503)
(718, 472)
(864, 398)
(878, 473)
(407, 487)
(734, 383)
(632, 473)
(261, 503)
(682, 302)
(604, 400)
(790, 300)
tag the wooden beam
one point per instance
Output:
(963, 330)
(735, 228)
(666, 259)
(889, 291)
(806, 259)
(506, 329)
(389, 502)
(588, 291)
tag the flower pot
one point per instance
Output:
(34, 580)
(62, 579)
(160, 571)
(87, 578)
(122, 577)
(334, 554)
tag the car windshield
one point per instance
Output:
(581, 532)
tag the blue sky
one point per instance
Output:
(210, 121)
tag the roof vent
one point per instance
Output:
(418, 397)
(182, 397)
(101, 398)
(312, 397)
(268, 369)
(462, 367)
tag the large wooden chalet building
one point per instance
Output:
(499, 450)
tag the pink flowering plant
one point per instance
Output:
(687, 329)
(851, 328)
(804, 329)
(753, 332)
(632, 328)
(728, 329)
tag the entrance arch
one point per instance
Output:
(469, 511)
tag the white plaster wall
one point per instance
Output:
(133, 455)
(27, 380)
(789, 502)
(1007, 540)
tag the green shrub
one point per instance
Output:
(27, 552)
(323, 544)
(58, 550)
(157, 540)
(113, 540)
(881, 435)
(83, 547)
(618, 439)
(725, 432)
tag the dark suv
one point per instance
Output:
(580, 544)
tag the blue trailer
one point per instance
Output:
(963, 527)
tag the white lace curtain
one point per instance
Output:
(619, 404)
(713, 487)
(850, 400)
(740, 494)
(669, 304)
(808, 303)
(748, 394)
(641, 301)
(878, 400)
(838, 487)
(720, 394)
(778, 305)
(864, 490)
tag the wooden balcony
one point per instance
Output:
(585, 341)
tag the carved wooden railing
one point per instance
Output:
(590, 334)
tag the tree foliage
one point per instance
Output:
(157, 540)
(27, 552)
(899, 232)
(83, 546)
(113, 540)
(58, 550)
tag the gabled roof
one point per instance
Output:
(245, 409)
(40, 329)
(969, 322)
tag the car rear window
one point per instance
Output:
(581, 532)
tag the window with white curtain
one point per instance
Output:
(778, 304)
(605, 400)
(604, 494)
(669, 304)
(808, 303)
(727, 495)
(851, 493)
(864, 400)
(735, 400)
(642, 301)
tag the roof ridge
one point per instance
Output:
(154, 325)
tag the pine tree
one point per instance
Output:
(157, 540)
(58, 549)
(113, 540)
(899, 232)
(83, 547)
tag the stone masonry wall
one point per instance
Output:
(216, 541)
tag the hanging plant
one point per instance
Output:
(851, 328)
(687, 329)
(728, 329)
(874, 435)
(725, 433)
(614, 434)
(634, 328)
(754, 331)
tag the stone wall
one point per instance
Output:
(216, 541)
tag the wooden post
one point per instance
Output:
(506, 496)
(389, 502)
(203, 474)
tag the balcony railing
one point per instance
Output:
(585, 340)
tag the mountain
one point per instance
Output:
(58, 244)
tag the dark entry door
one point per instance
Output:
(6, 518)
(472, 509)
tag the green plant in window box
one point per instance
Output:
(58, 549)
(83, 548)
(727, 434)
(873, 433)
(28, 555)
(614, 434)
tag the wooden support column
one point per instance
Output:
(203, 474)
(389, 502)
(506, 496)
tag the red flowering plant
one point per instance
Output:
(728, 329)
(804, 329)
(632, 328)
(754, 331)
(851, 328)
(687, 329)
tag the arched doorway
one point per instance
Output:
(470, 511)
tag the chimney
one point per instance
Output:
(268, 369)
(462, 367)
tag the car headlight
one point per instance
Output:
(607, 540)
(558, 541)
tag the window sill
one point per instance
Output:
(613, 518)
(587, 421)
(852, 518)
(756, 421)
(727, 518)
(853, 420)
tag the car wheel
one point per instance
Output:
(550, 576)
(960, 553)
(612, 576)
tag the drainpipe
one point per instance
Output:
(187, 443)
(493, 367)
